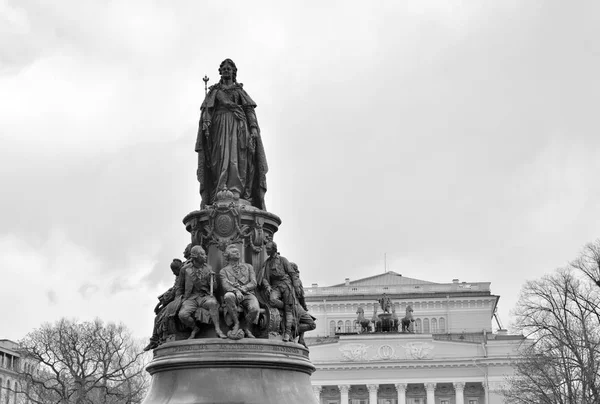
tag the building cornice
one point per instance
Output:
(415, 364)
(397, 296)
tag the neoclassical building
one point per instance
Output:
(10, 362)
(450, 357)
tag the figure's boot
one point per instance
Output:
(151, 345)
(214, 315)
(236, 322)
(247, 331)
(301, 340)
(289, 319)
(194, 332)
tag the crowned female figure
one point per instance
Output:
(230, 150)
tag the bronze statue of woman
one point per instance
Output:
(230, 150)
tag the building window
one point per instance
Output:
(473, 401)
(444, 402)
(426, 326)
(348, 326)
(418, 328)
(434, 328)
(340, 326)
(332, 327)
(442, 325)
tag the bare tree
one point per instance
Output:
(589, 262)
(83, 363)
(560, 316)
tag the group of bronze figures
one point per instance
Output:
(387, 321)
(234, 299)
(237, 298)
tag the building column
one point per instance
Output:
(401, 389)
(486, 391)
(430, 388)
(344, 389)
(317, 391)
(373, 393)
(459, 388)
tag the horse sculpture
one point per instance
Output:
(375, 320)
(394, 319)
(406, 320)
(362, 321)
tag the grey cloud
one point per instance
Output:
(51, 296)
(87, 290)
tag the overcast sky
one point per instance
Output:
(461, 138)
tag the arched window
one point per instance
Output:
(426, 326)
(348, 326)
(442, 325)
(332, 327)
(434, 328)
(418, 328)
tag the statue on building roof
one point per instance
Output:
(407, 319)
(386, 303)
(362, 321)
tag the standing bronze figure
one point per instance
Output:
(230, 150)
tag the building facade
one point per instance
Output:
(10, 363)
(451, 355)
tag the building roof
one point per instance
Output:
(7, 345)
(389, 278)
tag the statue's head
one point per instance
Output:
(197, 254)
(231, 253)
(186, 252)
(294, 267)
(360, 310)
(227, 67)
(271, 248)
(409, 309)
(176, 266)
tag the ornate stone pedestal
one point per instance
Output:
(224, 371)
(232, 222)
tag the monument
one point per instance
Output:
(231, 328)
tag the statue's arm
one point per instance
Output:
(264, 282)
(251, 117)
(225, 284)
(180, 283)
(291, 273)
(251, 285)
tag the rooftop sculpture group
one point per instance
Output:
(386, 321)
(233, 283)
